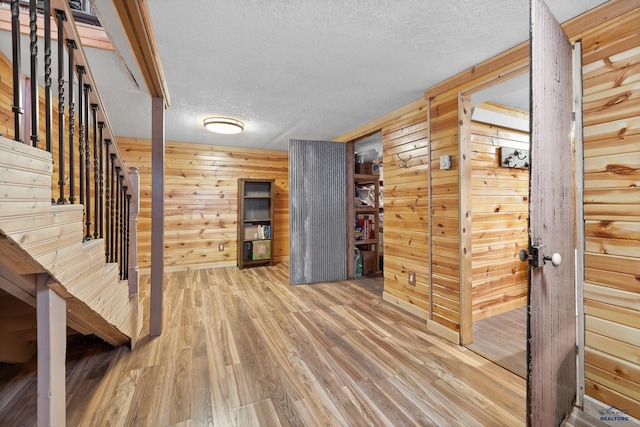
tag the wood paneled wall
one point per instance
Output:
(611, 104)
(406, 212)
(445, 215)
(499, 212)
(201, 188)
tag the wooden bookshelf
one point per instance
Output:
(255, 222)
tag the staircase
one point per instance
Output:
(42, 241)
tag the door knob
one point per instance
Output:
(555, 259)
(524, 255)
(533, 257)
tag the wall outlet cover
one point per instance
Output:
(412, 278)
(445, 162)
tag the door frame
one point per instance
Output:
(464, 177)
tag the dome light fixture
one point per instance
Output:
(223, 125)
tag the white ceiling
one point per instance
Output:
(306, 69)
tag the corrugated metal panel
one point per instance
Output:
(317, 211)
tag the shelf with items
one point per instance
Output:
(367, 223)
(255, 222)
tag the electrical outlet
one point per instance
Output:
(412, 278)
(221, 247)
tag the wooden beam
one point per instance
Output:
(136, 21)
(157, 215)
(52, 344)
(22, 287)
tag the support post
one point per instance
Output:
(52, 343)
(157, 215)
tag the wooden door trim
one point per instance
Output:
(579, 221)
(464, 218)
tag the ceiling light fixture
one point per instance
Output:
(223, 125)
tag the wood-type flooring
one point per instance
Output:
(503, 340)
(243, 348)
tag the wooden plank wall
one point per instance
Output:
(611, 104)
(201, 188)
(406, 211)
(445, 199)
(499, 215)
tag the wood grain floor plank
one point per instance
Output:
(243, 348)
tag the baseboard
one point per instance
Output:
(174, 268)
(413, 309)
(607, 414)
(443, 332)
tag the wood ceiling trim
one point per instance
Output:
(136, 22)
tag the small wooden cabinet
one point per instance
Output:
(255, 222)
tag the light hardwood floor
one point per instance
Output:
(242, 347)
(503, 340)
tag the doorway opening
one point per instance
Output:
(499, 145)
(368, 165)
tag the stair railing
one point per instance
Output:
(104, 188)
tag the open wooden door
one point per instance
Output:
(551, 368)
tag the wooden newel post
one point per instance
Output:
(134, 210)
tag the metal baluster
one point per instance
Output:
(48, 132)
(17, 70)
(71, 46)
(127, 236)
(61, 16)
(107, 197)
(116, 249)
(81, 72)
(112, 207)
(96, 176)
(123, 227)
(101, 171)
(35, 98)
(87, 165)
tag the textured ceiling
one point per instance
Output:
(307, 69)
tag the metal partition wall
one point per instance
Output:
(317, 211)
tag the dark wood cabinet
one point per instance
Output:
(255, 222)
